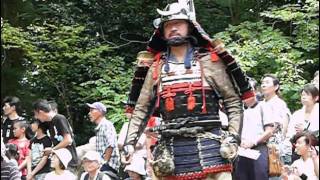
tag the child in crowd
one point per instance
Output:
(38, 165)
(91, 162)
(12, 153)
(19, 131)
(9, 170)
(59, 162)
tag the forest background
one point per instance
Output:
(79, 51)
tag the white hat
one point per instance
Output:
(64, 155)
(171, 12)
(92, 156)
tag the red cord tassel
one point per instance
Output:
(191, 103)
(169, 103)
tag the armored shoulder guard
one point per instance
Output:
(145, 59)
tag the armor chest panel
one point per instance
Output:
(182, 92)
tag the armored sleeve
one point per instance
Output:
(239, 78)
(217, 77)
(143, 109)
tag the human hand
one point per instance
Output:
(313, 153)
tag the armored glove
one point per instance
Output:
(229, 146)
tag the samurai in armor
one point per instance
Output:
(188, 76)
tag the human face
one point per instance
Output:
(7, 109)
(307, 99)
(55, 161)
(34, 127)
(301, 146)
(267, 86)
(17, 130)
(175, 28)
(90, 166)
(41, 115)
(94, 114)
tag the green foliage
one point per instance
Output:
(262, 48)
(65, 64)
(69, 50)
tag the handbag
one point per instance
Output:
(275, 165)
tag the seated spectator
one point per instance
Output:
(307, 167)
(59, 162)
(38, 165)
(9, 170)
(92, 162)
(19, 131)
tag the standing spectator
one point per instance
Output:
(136, 167)
(19, 131)
(270, 88)
(106, 142)
(9, 170)
(91, 162)
(306, 118)
(11, 109)
(60, 130)
(38, 166)
(257, 129)
(59, 162)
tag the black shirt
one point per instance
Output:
(7, 128)
(59, 126)
(37, 146)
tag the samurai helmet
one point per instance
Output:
(177, 11)
(171, 12)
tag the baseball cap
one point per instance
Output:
(99, 106)
(64, 155)
(92, 156)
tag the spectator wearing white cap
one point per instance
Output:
(91, 162)
(106, 142)
(59, 162)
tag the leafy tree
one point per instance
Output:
(65, 64)
(292, 55)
